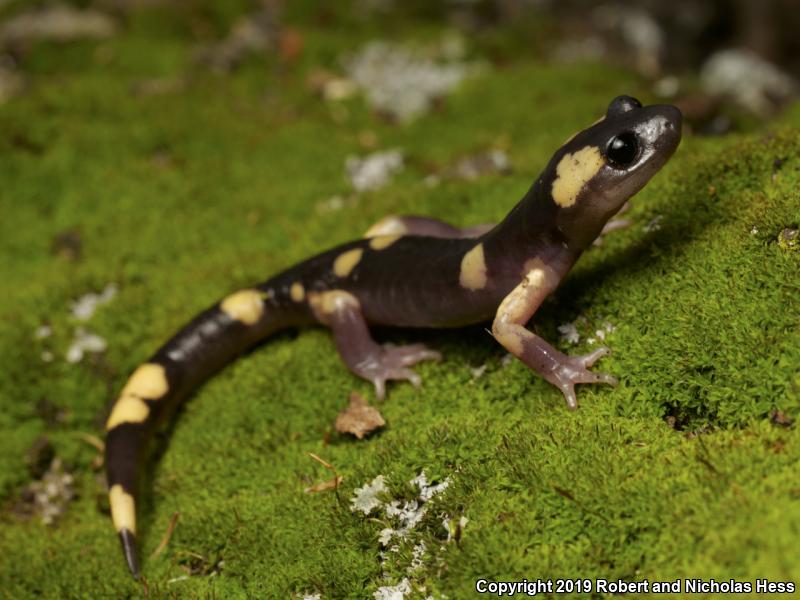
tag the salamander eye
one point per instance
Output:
(623, 149)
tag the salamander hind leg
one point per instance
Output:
(415, 225)
(369, 360)
(561, 370)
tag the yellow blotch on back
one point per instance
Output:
(123, 509)
(347, 261)
(384, 241)
(574, 170)
(148, 382)
(245, 306)
(297, 292)
(390, 225)
(473, 269)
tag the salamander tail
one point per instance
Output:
(209, 342)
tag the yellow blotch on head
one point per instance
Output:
(347, 261)
(384, 241)
(473, 269)
(245, 306)
(574, 170)
(123, 509)
(390, 225)
(297, 292)
(148, 382)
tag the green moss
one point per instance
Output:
(182, 197)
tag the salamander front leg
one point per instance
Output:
(369, 360)
(508, 328)
(416, 225)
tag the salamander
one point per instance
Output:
(411, 272)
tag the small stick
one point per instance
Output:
(167, 536)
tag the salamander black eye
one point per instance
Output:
(623, 149)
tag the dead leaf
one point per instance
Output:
(325, 485)
(359, 418)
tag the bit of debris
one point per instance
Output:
(752, 82)
(11, 82)
(417, 557)
(569, 333)
(374, 170)
(667, 87)
(331, 484)
(359, 418)
(478, 372)
(67, 245)
(395, 592)
(789, 239)
(478, 165)
(167, 535)
(654, 224)
(315, 596)
(754, 230)
(84, 307)
(402, 82)
(333, 204)
(330, 86)
(778, 417)
(366, 498)
(59, 23)
(40, 456)
(83, 342)
(249, 35)
(638, 30)
(159, 86)
(42, 332)
(507, 359)
(48, 497)
(47, 356)
(455, 528)
(324, 486)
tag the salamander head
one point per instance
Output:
(601, 167)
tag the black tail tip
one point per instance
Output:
(128, 540)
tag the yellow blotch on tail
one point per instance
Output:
(245, 306)
(123, 508)
(148, 382)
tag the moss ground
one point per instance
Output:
(181, 197)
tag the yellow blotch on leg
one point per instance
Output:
(123, 509)
(324, 304)
(574, 170)
(347, 261)
(384, 241)
(297, 292)
(245, 306)
(148, 382)
(473, 269)
(518, 307)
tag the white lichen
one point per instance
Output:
(83, 342)
(366, 498)
(569, 333)
(84, 307)
(395, 592)
(374, 170)
(401, 81)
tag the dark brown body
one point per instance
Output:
(411, 272)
